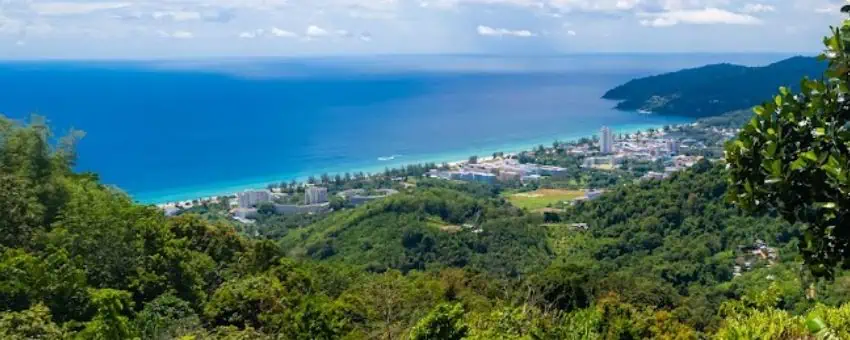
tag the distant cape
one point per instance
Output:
(713, 89)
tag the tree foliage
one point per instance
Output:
(793, 156)
(443, 323)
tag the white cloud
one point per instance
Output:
(128, 28)
(252, 34)
(272, 32)
(183, 35)
(450, 4)
(316, 31)
(757, 8)
(177, 34)
(72, 8)
(282, 33)
(595, 5)
(708, 16)
(488, 31)
(177, 15)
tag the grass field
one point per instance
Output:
(542, 198)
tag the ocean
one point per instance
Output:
(169, 130)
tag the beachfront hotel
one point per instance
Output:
(315, 195)
(251, 198)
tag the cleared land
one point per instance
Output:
(543, 198)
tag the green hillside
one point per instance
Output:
(432, 227)
(713, 89)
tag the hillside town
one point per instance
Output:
(673, 148)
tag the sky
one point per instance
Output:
(138, 29)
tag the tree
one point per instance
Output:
(473, 160)
(30, 324)
(164, 317)
(266, 209)
(110, 321)
(443, 323)
(794, 155)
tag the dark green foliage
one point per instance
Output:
(443, 323)
(793, 157)
(735, 119)
(110, 320)
(165, 317)
(712, 90)
(659, 243)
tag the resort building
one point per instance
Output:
(315, 195)
(357, 197)
(251, 198)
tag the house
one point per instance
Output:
(593, 194)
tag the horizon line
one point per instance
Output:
(398, 55)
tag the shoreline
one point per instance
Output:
(167, 197)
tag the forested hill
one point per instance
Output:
(713, 89)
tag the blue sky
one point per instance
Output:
(214, 28)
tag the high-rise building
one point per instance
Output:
(251, 198)
(673, 146)
(315, 195)
(606, 140)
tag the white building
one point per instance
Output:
(673, 146)
(606, 140)
(315, 195)
(251, 198)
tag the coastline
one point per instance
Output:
(375, 166)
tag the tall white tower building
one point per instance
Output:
(606, 140)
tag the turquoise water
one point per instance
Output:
(165, 131)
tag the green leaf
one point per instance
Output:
(815, 325)
(778, 100)
(810, 155)
(776, 168)
(832, 167)
(784, 90)
(819, 132)
(759, 110)
(826, 205)
(798, 164)
(771, 149)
